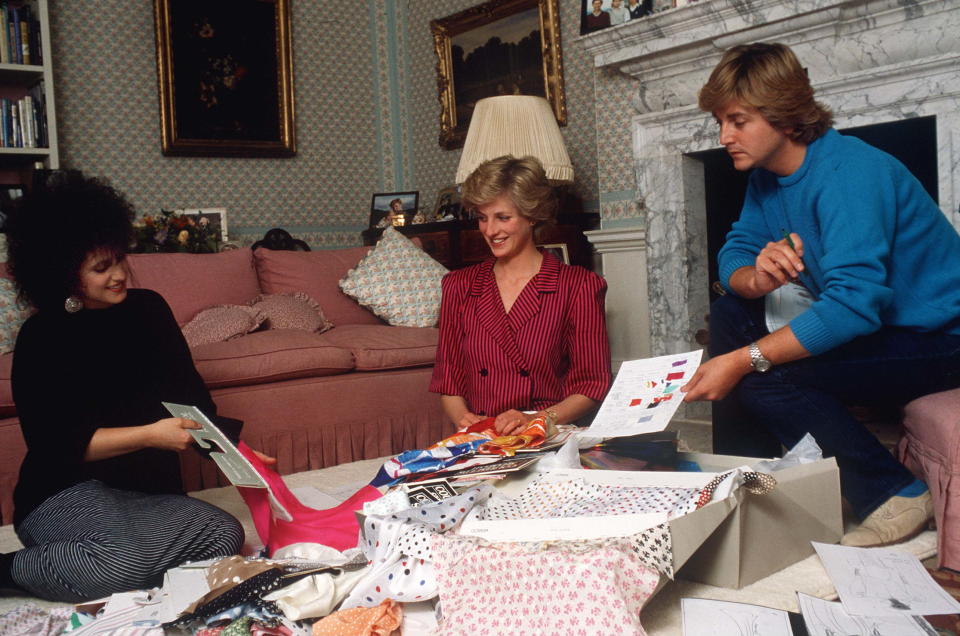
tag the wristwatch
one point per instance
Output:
(757, 361)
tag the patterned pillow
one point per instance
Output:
(398, 282)
(221, 323)
(12, 315)
(291, 311)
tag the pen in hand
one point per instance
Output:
(789, 240)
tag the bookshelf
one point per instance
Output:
(35, 145)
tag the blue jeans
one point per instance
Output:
(891, 366)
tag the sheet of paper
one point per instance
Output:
(826, 618)
(644, 395)
(706, 617)
(883, 582)
(784, 304)
(235, 466)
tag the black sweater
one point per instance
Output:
(75, 373)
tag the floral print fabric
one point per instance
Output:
(506, 588)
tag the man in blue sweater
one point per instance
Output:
(874, 264)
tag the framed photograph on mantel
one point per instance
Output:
(225, 71)
(501, 47)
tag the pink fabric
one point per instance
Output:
(269, 356)
(222, 323)
(488, 590)
(291, 311)
(335, 527)
(930, 447)
(318, 275)
(192, 282)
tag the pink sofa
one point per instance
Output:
(357, 391)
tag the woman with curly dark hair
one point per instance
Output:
(99, 504)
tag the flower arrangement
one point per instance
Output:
(172, 231)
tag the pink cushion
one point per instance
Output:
(931, 449)
(291, 311)
(269, 356)
(318, 275)
(382, 347)
(193, 282)
(7, 408)
(222, 323)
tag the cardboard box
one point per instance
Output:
(731, 542)
(762, 534)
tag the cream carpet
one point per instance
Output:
(661, 617)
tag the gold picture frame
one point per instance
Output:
(225, 74)
(459, 85)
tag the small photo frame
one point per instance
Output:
(559, 250)
(393, 208)
(600, 14)
(448, 204)
(214, 219)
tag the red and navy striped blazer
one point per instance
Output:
(552, 344)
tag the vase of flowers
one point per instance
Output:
(172, 231)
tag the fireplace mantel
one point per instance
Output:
(870, 61)
(672, 53)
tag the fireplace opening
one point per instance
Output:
(912, 141)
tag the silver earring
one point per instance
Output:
(72, 304)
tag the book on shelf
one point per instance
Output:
(25, 19)
(4, 36)
(16, 53)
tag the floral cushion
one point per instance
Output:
(397, 281)
(222, 323)
(12, 315)
(291, 311)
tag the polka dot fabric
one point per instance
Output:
(361, 621)
(576, 498)
(398, 549)
(493, 589)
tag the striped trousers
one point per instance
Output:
(91, 540)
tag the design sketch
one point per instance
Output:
(705, 617)
(883, 582)
(825, 618)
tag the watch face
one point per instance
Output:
(763, 365)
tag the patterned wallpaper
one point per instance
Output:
(366, 119)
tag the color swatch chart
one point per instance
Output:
(645, 395)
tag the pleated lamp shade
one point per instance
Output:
(518, 125)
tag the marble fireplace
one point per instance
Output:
(871, 62)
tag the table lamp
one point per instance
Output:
(518, 125)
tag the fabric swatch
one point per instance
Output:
(488, 589)
(362, 621)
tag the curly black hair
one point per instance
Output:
(51, 230)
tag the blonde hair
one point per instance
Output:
(768, 77)
(523, 181)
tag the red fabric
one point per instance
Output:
(552, 344)
(531, 437)
(335, 527)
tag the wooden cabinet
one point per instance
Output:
(458, 244)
